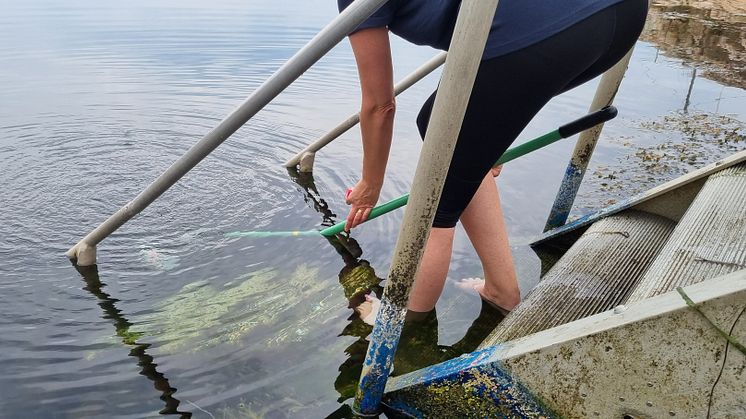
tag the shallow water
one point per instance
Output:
(99, 98)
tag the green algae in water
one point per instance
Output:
(201, 315)
(701, 138)
(242, 411)
(358, 279)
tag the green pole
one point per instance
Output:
(591, 120)
(567, 130)
(401, 201)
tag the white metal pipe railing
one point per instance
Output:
(353, 120)
(84, 252)
(465, 53)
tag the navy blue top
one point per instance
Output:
(517, 23)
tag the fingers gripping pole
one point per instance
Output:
(84, 252)
(469, 38)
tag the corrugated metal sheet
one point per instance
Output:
(597, 273)
(709, 241)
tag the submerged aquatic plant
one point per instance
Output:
(158, 259)
(242, 411)
(201, 315)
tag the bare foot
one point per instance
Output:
(368, 309)
(468, 284)
(477, 284)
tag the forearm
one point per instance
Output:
(373, 56)
(376, 126)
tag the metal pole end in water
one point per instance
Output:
(82, 254)
(306, 162)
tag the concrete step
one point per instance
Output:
(709, 240)
(596, 274)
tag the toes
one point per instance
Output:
(468, 284)
(364, 308)
(473, 280)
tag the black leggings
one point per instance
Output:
(511, 89)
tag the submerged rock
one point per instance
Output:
(157, 259)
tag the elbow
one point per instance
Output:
(380, 109)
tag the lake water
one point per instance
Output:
(98, 98)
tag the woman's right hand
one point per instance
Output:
(361, 198)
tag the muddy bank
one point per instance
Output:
(710, 35)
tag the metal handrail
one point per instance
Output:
(84, 252)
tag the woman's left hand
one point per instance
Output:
(362, 198)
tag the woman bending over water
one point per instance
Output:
(536, 50)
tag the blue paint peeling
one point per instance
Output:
(508, 397)
(379, 359)
(565, 196)
(589, 219)
(558, 222)
(452, 366)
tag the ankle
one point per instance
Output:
(506, 298)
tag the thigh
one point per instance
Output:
(508, 92)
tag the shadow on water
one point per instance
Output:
(138, 351)
(418, 347)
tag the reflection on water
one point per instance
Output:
(312, 197)
(709, 39)
(139, 350)
(707, 34)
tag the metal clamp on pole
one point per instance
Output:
(84, 253)
(465, 53)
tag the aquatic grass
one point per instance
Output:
(201, 315)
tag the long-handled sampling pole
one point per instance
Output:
(568, 130)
